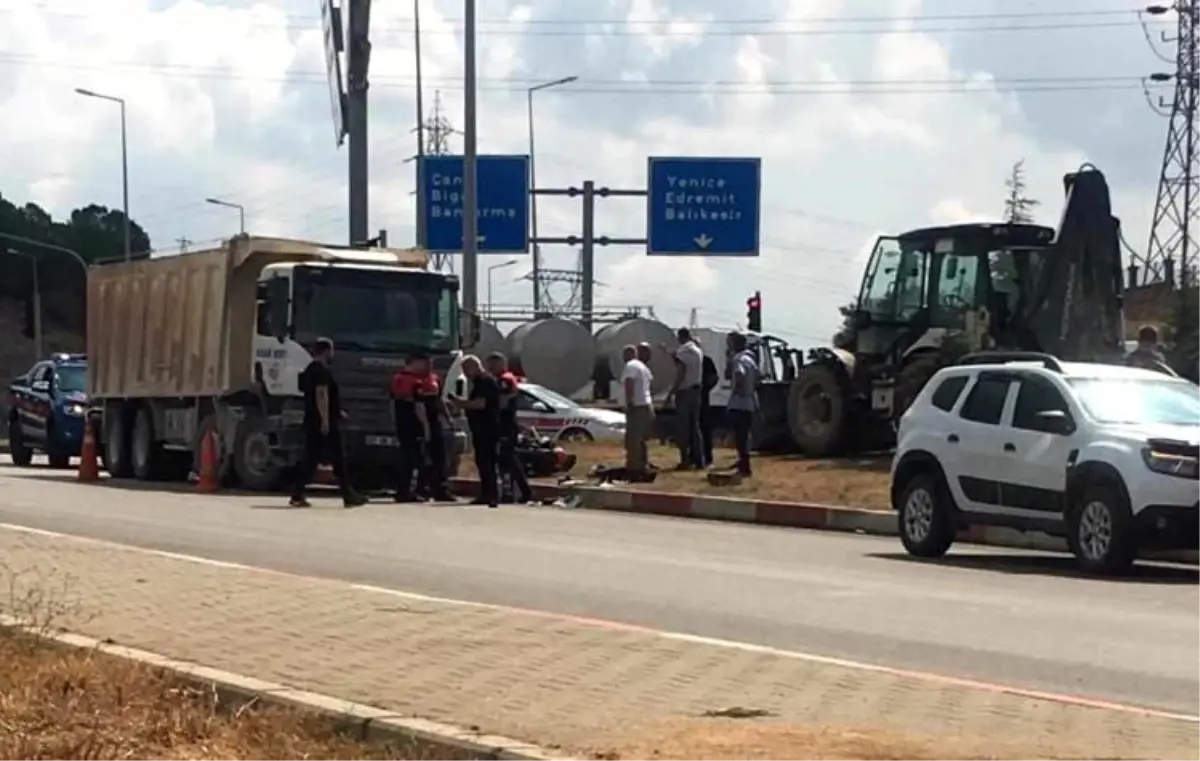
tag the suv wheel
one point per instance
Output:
(22, 454)
(1100, 530)
(926, 527)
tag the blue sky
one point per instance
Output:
(870, 116)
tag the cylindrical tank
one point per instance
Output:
(611, 339)
(490, 340)
(556, 353)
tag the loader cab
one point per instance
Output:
(921, 285)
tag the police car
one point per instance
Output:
(47, 408)
(557, 417)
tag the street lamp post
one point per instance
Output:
(37, 303)
(124, 166)
(533, 225)
(490, 272)
(241, 210)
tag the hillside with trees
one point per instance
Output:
(30, 236)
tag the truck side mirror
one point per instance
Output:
(469, 328)
(278, 302)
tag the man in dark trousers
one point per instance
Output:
(506, 448)
(322, 432)
(709, 378)
(432, 477)
(412, 424)
(482, 406)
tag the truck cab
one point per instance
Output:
(47, 410)
(376, 315)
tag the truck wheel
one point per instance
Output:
(253, 461)
(144, 449)
(817, 411)
(22, 455)
(116, 443)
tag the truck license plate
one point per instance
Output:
(382, 441)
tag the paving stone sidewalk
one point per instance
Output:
(559, 683)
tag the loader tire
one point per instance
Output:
(817, 411)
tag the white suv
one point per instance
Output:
(1104, 455)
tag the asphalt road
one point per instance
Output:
(1004, 616)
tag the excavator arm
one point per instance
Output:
(1073, 309)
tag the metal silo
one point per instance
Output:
(556, 353)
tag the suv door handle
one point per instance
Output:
(952, 438)
(1010, 447)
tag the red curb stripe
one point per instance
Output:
(658, 503)
(792, 516)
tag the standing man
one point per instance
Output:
(322, 433)
(506, 448)
(639, 410)
(1148, 354)
(689, 367)
(709, 378)
(432, 477)
(483, 417)
(743, 397)
(412, 424)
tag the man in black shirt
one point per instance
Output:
(506, 448)
(322, 435)
(483, 416)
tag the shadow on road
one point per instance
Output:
(1053, 565)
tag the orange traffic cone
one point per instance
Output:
(89, 469)
(207, 480)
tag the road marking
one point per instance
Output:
(926, 676)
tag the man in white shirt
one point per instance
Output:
(639, 410)
(689, 371)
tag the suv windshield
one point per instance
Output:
(1139, 401)
(71, 378)
(376, 310)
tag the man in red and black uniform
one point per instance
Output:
(506, 448)
(411, 426)
(431, 480)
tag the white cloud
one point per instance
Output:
(227, 99)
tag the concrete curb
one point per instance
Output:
(785, 514)
(366, 722)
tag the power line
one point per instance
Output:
(685, 27)
(649, 87)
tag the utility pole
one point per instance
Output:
(470, 206)
(183, 242)
(1172, 245)
(358, 61)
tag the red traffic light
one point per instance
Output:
(754, 302)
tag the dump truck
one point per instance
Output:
(215, 341)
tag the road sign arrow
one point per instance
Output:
(703, 241)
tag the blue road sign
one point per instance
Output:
(502, 184)
(703, 206)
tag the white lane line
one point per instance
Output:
(696, 639)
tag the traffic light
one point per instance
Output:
(754, 313)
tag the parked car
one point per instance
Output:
(1105, 456)
(47, 410)
(554, 415)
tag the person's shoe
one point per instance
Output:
(493, 504)
(354, 500)
(299, 502)
(444, 496)
(406, 499)
(479, 501)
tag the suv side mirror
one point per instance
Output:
(40, 386)
(1055, 421)
(540, 406)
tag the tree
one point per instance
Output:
(1018, 207)
(844, 336)
(96, 232)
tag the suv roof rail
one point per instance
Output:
(1049, 361)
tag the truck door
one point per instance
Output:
(35, 408)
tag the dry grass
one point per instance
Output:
(849, 483)
(60, 702)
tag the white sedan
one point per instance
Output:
(554, 415)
